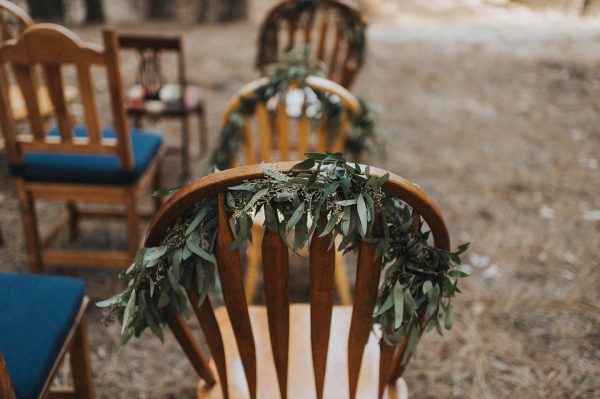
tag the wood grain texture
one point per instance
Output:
(321, 271)
(232, 285)
(301, 382)
(210, 327)
(190, 346)
(365, 296)
(54, 82)
(6, 388)
(90, 112)
(276, 280)
(238, 325)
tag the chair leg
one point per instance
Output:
(133, 222)
(73, 221)
(30, 229)
(254, 256)
(203, 139)
(341, 279)
(185, 147)
(1, 236)
(6, 388)
(81, 364)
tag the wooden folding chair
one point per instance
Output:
(283, 137)
(332, 341)
(41, 319)
(332, 31)
(74, 163)
(150, 97)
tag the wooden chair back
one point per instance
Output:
(51, 47)
(149, 49)
(13, 21)
(323, 28)
(277, 135)
(275, 263)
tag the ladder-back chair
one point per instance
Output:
(149, 96)
(339, 360)
(283, 137)
(333, 31)
(41, 319)
(74, 163)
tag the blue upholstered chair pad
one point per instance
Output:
(90, 169)
(36, 315)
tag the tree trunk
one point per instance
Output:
(161, 9)
(46, 9)
(93, 11)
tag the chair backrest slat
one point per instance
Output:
(303, 134)
(90, 113)
(283, 128)
(264, 130)
(386, 359)
(340, 141)
(26, 78)
(322, 272)
(52, 47)
(368, 271)
(276, 275)
(276, 278)
(275, 123)
(232, 284)
(212, 333)
(322, 27)
(54, 82)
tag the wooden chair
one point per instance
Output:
(13, 21)
(74, 163)
(321, 27)
(41, 319)
(237, 334)
(148, 98)
(282, 137)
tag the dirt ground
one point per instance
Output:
(494, 112)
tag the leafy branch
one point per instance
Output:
(327, 196)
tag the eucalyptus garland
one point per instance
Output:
(420, 280)
(302, 13)
(293, 68)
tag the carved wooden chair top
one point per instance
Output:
(285, 129)
(52, 47)
(332, 30)
(292, 352)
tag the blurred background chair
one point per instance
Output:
(74, 163)
(298, 335)
(284, 131)
(41, 319)
(332, 31)
(153, 96)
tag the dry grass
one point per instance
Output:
(494, 116)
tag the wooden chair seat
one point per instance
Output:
(192, 102)
(19, 108)
(300, 376)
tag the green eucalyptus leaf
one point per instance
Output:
(398, 305)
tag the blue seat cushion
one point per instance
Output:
(86, 168)
(36, 315)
